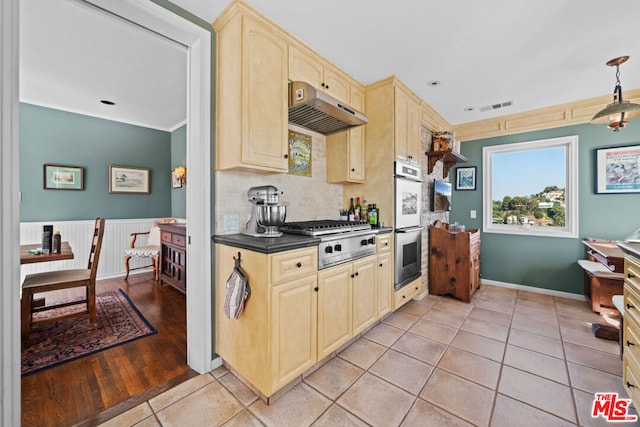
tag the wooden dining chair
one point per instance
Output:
(150, 250)
(62, 279)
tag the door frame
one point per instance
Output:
(199, 295)
(198, 43)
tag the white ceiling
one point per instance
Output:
(535, 53)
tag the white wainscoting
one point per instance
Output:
(117, 237)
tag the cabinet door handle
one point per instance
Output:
(630, 343)
(353, 275)
(629, 306)
(630, 385)
(286, 156)
(299, 264)
(380, 264)
(630, 276)
(315, 289)
(356, 273)
(353, 170)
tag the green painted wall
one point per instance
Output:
(53, 136)
(546, 262)
(179, 158)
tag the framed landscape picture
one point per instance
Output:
(466, 178)
(618, 170)
(59, 177)
(128, 179)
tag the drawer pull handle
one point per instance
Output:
(629, 306)
(630, 343)
(299, 265)
(630, 385)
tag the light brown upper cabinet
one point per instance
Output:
(346, 149)
(407, 124)
(394, 119)
(251, 92)
(306, 66)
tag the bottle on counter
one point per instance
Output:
(47, 238)
(352, 211)
(358, 208)
(373, 215)
(57, 243)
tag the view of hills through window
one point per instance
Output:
(529, 187)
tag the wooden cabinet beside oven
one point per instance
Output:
(454, 262)
(631, 339)
(173, 255)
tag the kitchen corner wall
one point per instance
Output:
(427, 216)
(306, 198)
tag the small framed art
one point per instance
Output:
(618, 170)
(59, 177)
(129, 179)
(466, 178)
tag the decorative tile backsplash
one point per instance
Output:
(306, 198)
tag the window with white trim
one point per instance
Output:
(531, 187)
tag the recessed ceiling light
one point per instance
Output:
(107, 102)
(433, 83)
(469, 109)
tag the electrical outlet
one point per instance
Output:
(472, 213)
(231, 223)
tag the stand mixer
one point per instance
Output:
(266, 213)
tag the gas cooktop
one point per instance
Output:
(324, 227)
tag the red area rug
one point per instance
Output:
(51, 344)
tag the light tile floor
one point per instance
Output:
(509, 358)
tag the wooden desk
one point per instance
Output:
(600, 287)
(28, 258)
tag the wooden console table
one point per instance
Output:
(603, 275)
(173, 256)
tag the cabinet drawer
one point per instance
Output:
(165, 236)
(291, 265)
(631, 338)
(405, 294)
(179, 240)
(631, 379)
(384, 243)
(632, 272)
(631, 303)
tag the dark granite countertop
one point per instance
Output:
(630, 248)
(267, 245)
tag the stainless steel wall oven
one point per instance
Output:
(408, 231)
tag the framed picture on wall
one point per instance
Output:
(129, 179)
(618, 170)
(59, 177)
(466, 178)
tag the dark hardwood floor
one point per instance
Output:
(92, 389)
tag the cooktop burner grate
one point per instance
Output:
(325, 226)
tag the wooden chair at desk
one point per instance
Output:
(62, 279)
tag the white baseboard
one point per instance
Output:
(533, 289)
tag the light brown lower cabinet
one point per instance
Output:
(631, 339)
(295, 317)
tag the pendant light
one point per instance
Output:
(617, 114)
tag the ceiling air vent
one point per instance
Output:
(496, 106)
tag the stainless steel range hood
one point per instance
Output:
(319, 112)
